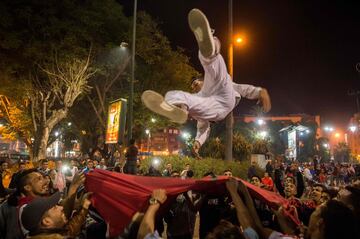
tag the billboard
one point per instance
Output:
(292, 154)
(116, 122)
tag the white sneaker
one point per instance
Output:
(156, 103)
(203, 33)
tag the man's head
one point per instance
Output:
(187, 167)
(32, 183)
(227, 173)
(4, 165)
(43, 214)
(255, 180)
(132, 141)
(332, 220)
(290, 190)
(316, 193)
(22, 166)
(95, 162)
(175, 174)
(59, 165)
(72, 163)
(225, 230)
(266, 174)
(168, 166)
(102, 162)
(197, 83)
(44, 164)
(90, 164)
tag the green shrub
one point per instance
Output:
(200, 167)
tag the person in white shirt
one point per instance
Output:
(217, 95)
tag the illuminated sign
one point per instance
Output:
(116, 122)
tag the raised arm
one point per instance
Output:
(254, 93)
(147, 225)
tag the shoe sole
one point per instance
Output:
(201, 28)
(156, 103)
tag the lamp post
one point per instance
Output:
(131, 98)
(229, 119)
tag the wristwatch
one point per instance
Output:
(153, 201)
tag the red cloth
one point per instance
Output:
(118, 196)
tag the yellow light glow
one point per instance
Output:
(337, 135)
(239, 40)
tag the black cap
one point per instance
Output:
(34, 211)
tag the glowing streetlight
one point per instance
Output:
(1, 125)
(328, 129)
(353, 128)
(337, 135)
(185, 135)
(307, 131)
(153, 120)
(69, 124)
(263, 134)
(57, 133)
(147, 131)
(260, 122)
(326, 145)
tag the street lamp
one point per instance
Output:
(260, 122)
(153, 120)
(147, 131)
(353, 128)
(131, 98)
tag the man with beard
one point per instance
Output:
(44, 218)
(316, 193)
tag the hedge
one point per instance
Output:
(199, 167)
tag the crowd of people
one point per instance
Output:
(49, 201)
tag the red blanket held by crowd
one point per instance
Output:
(117, 197)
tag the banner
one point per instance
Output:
(116, 122)
(117, 197)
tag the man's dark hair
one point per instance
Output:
(189, 174)
(44, 161)
(227, 170)
(21, 182)
(200, 78)
(132, 141)
(320, 185)
(339, 220)
(225, 230)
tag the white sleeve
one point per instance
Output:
(203, 131)
(247, 91)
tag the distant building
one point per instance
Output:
(353, 136)
(161, 142)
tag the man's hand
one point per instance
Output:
(86, 200)
(159, 195)
(195, 149)
(78, 180)
(232, 185)
(265, 100)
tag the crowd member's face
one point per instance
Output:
(315, 224)
(169, 166)
(22, 167)
(102, 161)
(228, 173)
(45, 165)
(315, 194)
(187, 167)
(325, 197)
(59, 165)
(4, 166)
(72, 162)
(266, 175)
(289, 180)
(290, 190)
(37, 185)
(90, 164)
(95, 163)
(197, 85)
(255, 181)
(54, 218)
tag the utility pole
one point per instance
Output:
(229, 118)
(131, 98)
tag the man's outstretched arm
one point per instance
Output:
(254, 93)
(203, 132)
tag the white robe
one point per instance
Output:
(216, 99)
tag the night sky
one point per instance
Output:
(303, 52)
